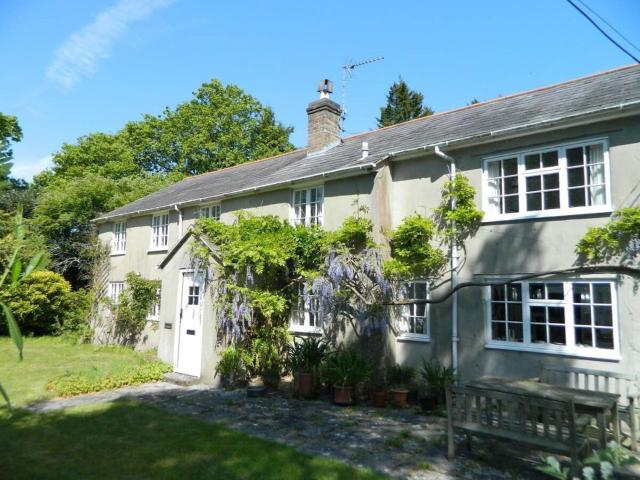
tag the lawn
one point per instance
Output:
(49, 358)
(134, 441)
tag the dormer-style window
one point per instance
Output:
(308, 206)
(210, 211)
(119, 238)
(569, 179)
(159, 231)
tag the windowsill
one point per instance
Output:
(587, 353)
(413, 337)
(557, 213)
(117, 254)
(300, 330)
(158, 250)
(154, 319)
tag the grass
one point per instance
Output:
(47, 359)
(130, 440)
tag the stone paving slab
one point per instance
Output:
(400, 443)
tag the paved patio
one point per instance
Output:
(401, 443)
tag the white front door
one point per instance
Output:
(189, 354)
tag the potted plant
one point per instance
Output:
(379, 397)
(436, 377)
(233, 366)
(400, 378)
(343, 369)
(304, 359)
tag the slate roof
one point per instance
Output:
(603, 92)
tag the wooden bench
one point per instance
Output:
(549, 425)
(622, 384)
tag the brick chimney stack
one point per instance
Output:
(323, 120)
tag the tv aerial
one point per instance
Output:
(347, 74)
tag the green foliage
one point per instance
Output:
(43, 303)
(220, 127)
(233, 366)
(76, 384)
(12, 276)
(307, 355)
(437, 377)
(10, 131)
(354, 234)
(402, 104)
(620, 237)
(345, 368)
(412, 253)
(400, 376)
(599, 465)
(268, 352)
(459, 223)
(134, 304)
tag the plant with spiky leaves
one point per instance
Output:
(11, 277)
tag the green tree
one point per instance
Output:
(220, 127)
(618, 239)
(402, 104)
(10, 131)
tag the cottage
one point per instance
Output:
(547, 164)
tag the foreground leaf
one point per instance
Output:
(14, 330)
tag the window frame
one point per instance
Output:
(119, 238)
(115, 290)
(303, 310)
(154, 247)
(570, 349)
(154, 313)
(412, 336)
(307, 205)
(522, 174)
(210, 209)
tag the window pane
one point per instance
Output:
(604, 338)
(595, 154)
(556, 314)
(497, 292)
(493, 169)
(603, 315)
(576, 177)
(597, 196)
(420, 309)
(515, 332)
(511, 204)
(536, 291)
(515, 292)
(576, 197)
(534, 202)
(581, 293)
(582, 315)
(574, 156)
(420, 290)
(498, 330)
(555, 291)
(537, 314)
(584, 337)
(596, 174)
(495, 205)
(538, 333)
(601, 293)
(510, 166)
(551, 200)
(511, 185)
(550, 159)
(551, 181)
(515, 312)
(497, 311)
(532, 161)
(534, 183)
(557, 336)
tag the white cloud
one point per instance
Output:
(80, 54)
(26, 169)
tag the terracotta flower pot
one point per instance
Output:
(399, 397)
(343, 395)
(380, 399)
(305, 385)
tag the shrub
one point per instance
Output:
(346, 368)
(437, 377)
(43, 302)
(233, 366)
(135, 303)
(400, 376)
(77, 384)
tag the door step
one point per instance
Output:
(181, 379)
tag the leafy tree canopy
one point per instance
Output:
(402, 104)
(10, 132)
(620, 238)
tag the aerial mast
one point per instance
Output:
(347, 73)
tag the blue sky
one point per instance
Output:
(78, 66)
